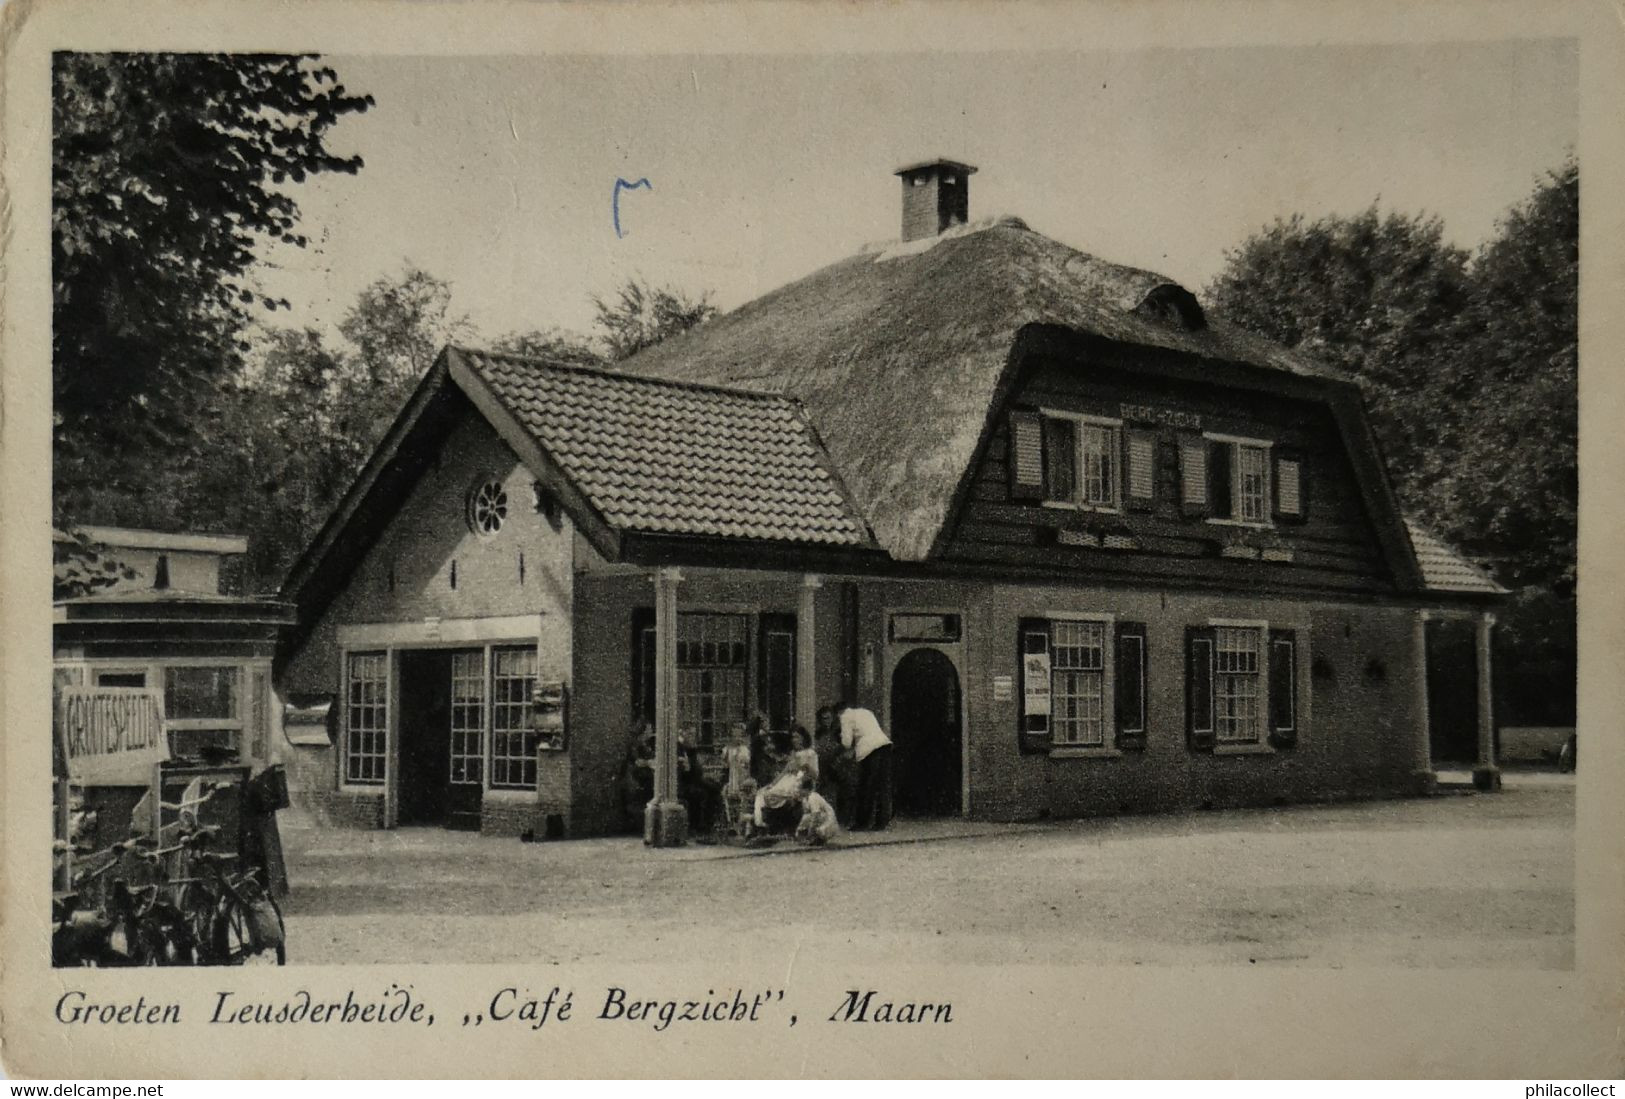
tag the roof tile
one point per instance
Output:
(1443, 569)
(656, 455)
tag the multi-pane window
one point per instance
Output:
(1081, 457)
(467, 716)
(1236, 676)
(513, 739)
(1078, 683)
(1252, 484)
(711, 662)
(1237, 475)
(366, 718)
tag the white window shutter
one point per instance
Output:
(1193, 473)
(1142, 465)
(1289, 487)
(1026, 456)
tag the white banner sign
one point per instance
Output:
(113, 735)
(1035, 683)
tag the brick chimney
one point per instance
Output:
(936, 196)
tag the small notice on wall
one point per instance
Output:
(1004, 688)
(1035, 683)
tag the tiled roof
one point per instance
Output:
(678, 458)
(1443, 569)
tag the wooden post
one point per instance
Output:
(1486, 776)
(665, 820)
(806, 653)
(1422, 777)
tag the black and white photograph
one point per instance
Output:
(1046, 504)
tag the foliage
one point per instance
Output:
(551, 344)
(168, 170)
(1503, 479)
(79, 567)
(301, 419)
(641, 316)
(1379, 295)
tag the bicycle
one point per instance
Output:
(234, 919)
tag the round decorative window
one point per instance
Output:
(487, 507)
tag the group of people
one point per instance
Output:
(806, 784)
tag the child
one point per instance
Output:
(736, 757)
(817, 826)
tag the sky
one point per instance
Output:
(497, 174)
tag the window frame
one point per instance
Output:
(1261, 717)
(1267, 458)
(1114, 477)
(1107, 748)
(379, 785)
(525, 732)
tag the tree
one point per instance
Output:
(168, 170)
(298, 422)
(1471, 377)
(1505, 479)
(551, 344)
(1379, 295)
(642, 315)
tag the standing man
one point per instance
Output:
(871, 748)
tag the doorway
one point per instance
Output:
(927, 733)
(442, 737)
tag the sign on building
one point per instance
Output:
(1035, 683)
(111, 736)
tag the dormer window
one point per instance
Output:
(1081, 461)
(1231, 479)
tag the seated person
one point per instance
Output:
(779, 803)
(767, 752)
(700, 794)
(817, 824)
(803, 756)
(638, 773)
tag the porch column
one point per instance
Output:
(1422, 776)
(1486, 776)
(665, 820)
(806, 653)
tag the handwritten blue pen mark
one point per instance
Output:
(615, 199)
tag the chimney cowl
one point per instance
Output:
(936, 196)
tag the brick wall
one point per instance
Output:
(525, 568)
(1356, 719)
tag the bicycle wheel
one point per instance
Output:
(250, 930)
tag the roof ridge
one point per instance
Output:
(625, 375)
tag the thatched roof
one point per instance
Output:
(900, 355)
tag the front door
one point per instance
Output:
(926, 733)
(442, 727)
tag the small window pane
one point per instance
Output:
(200, 693)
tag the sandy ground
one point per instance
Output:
(1441, 882)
